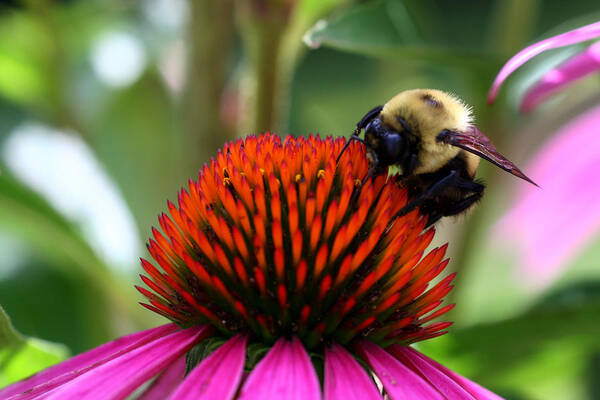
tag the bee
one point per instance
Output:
(430, 135)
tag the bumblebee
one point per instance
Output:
(430, 135)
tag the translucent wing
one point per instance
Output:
(477, 143)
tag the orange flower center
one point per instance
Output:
(276, 239)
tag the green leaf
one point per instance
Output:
(21, 356)
(27, 215)
(405, 30)
(542, 353)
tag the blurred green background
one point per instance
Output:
(108, 107)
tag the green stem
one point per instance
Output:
(211, 33)
(264, 82)
(512, 27)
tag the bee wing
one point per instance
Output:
(477, 143)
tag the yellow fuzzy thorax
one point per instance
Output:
(428, 112)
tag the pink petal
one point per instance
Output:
(285, 373)
(345, 379)
(167, 382)
(442, 382)
(428, 364)
(69, 369)
(218, 376)
(553, 224)
(119, 377)
(579, 66)
(399, 381)
(564, 39)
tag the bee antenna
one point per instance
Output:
(353, 137)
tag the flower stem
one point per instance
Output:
(263, 26)
(211, 32)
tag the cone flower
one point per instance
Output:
(279, 266)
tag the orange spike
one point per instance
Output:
(344, 270)
(348, 305)
(198, 270)
(282, 296)
(297, 246)
(365, 324)
(304, 314)
(437, 313)
(279, 259)
(222, 260)
(259, 276)
(260, 230)
(243, 218)
(387, 303)
(320, 260)
(315, 232)
(321, 196)
(220, 287)
(277, 233)
(366, 284)
(240, 243)
(241, 309)
(330, 219)
(293, 218)
(309, 212)
(240, 270)
(324, 287)
(301, 272)
(275, 206)
(338, 243)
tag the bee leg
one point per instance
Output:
(373, 171)
(459, 206)
(448, 180)
(353, 137)
(462, 205)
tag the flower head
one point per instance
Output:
(278, 249)
(577, 67)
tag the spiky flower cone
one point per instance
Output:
(275, 239)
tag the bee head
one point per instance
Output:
(388, 145)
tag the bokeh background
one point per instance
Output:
(107, 108)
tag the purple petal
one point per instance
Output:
(285, 373)
(167, 382)
(564, 39)
(119, 377)
(345, 379)
(579, 66)
(552, 224)
(90, 358)
(424, 363)
(218, 376)
(399, 381)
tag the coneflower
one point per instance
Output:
(285, 277)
